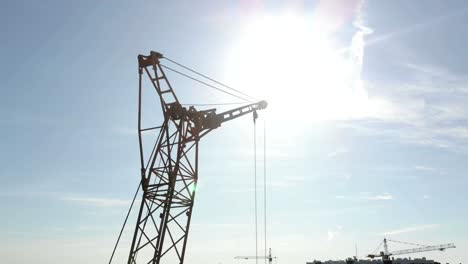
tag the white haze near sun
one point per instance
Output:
(290, 62)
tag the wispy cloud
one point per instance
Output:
(419, 132)
(337, 152)
(409, 229)
(240, 190)
(225, 226)
(287, 182)
(84, 200)
(367, 196)
(426, 106)
(101, 202)
(351, 210)
(424, 168)
(417, 26)
(332, 233)
(379, 197)
(432, 71)
(125, 131)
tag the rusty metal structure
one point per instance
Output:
(169, 169)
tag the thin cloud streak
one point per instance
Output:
(382, 197)
(409, 229)
(367, 196)
(101, 202)
(331, 234)
(411, 28)
(338, 152)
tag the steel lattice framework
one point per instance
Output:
(169, 174)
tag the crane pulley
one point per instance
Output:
(169, 174)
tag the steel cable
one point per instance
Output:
(407, 243)
(264, 188)
(255, 189)
(214, 104)
(377, 249)
(211, 79)
(207, 84)
(125, 222)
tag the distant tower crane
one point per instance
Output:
(269, 257)
(169, 170)
(385, 255)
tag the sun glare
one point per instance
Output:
(291, 63)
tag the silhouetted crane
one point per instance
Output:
(169, 169)
(385, 255)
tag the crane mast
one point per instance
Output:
(169, 170)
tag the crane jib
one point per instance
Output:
(386, 254)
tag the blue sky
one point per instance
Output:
(383, 156)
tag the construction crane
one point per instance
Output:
(385, 255)
(269, 257)
(169, 169)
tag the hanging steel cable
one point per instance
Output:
(377, 249)
(214, 104)
(407, 243)
(211, 79)
(264, 189)
(255, 188)
(207, 84)
(124, 223)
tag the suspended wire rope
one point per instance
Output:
(211, 79)
(264, 189)
(377, 249)
(214, 104)
(407, 243)
(265, 256)
(255, 189)
(131, 205)
(207, 84)
(125, 222)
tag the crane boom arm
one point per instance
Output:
(215, 120)
(240, 111)
(207, 120)
(423, 249)
(269, 257)
(252, 257)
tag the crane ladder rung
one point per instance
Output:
(158, 78)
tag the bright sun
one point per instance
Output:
(293, 65)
